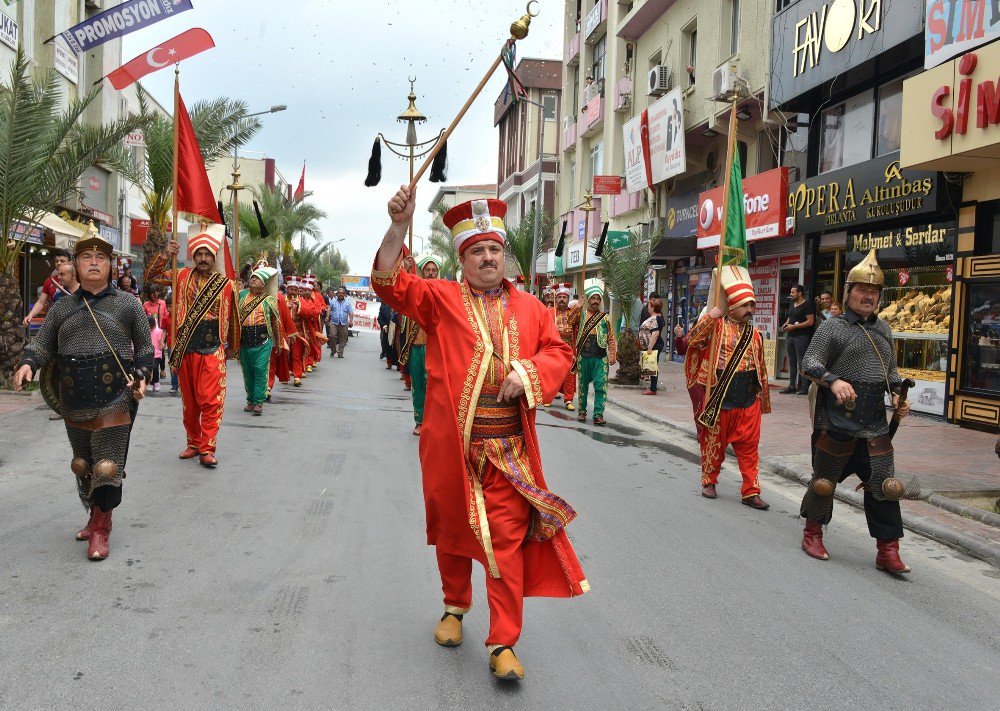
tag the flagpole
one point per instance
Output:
(235, 188)
(587, 207)
(716, 296)
(173, 268)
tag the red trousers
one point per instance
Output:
(280, 367)
(568, 388)
(202, 380)
(740, 428)
(508, 514)
(300, 354)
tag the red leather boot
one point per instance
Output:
(812, 541)
(99, 533)
(84, 533)
(888, 557)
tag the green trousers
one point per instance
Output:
(255, 362)
(593, 370)
(418, 378)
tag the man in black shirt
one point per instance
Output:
(799, 329)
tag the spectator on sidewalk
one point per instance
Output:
(66, 276)
(651, 338)
(836, 309)
(824, 302)
(798, 328)
(49, 288)
(341, 319)
(153, 305)
(159, 339)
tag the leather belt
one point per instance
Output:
(252, 336)
(112, 419)
(91, 382)
(856, 415)
(205, 338)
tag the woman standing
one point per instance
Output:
(651, 339)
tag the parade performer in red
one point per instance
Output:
(281, 358)
(208, 333)
(316, 324)
(493, 356)
(567, 322)
(304, 310)
(739, 392)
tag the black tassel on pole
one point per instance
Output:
(374, 165)
(600, 243)
(264, 233)
(440, 165)
(562, 240)
(222, 215)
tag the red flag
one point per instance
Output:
(193, 193)
(300, 192)
(185, 45)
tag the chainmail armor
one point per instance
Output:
(107, 443)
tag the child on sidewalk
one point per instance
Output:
(159, 339)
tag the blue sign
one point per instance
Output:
(32, 234)
(112, 235)
(119, 21)
(581, 229)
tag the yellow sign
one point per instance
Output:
(832, 27)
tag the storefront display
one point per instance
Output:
(982, 338)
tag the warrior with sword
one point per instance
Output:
(853, 360)
(99, 336)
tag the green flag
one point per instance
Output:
(734, 232)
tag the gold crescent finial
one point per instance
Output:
(528, 8)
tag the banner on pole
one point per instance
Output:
(119, 21)
(174, 50)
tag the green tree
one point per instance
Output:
(521, 240)
(330, 267)
(219, 124)
(442, 244)
(285, 219)
(624, 270)
(45, 147)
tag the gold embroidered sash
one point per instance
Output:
(710, 415)
(202, 303)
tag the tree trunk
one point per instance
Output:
(12, 336)
(629, 369)
(156, 242)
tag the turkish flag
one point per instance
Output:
(300, 192)
(185, 45)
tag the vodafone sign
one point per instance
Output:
(765, 205)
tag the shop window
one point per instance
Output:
(981, 369)
(890, 117)
(846, 132)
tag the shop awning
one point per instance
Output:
(66, 234)
(674, 248)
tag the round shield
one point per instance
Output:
(48, 384)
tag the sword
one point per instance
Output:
(896, 417)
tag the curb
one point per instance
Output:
(972, 512)
(977, 547)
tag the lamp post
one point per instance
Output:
(235, 187)
(587, 207)
(541, 189)
(411, 149)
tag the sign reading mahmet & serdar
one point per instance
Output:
(813, 41)
(921, 245)
(951, 114)
(868, 192)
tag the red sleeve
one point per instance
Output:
(408, 294)
(49, 288)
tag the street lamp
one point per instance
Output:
(235, 187)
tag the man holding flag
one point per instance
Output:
(724, 368)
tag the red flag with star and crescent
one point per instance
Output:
(183, 46)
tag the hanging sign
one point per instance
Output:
(120, 20)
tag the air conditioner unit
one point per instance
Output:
(623, 102)
(727, 81)
(658, 82)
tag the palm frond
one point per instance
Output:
(624, 270)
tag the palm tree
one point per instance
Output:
(521, 240)
(624, 270)
(284, 219)
(44, 149)
(442, 243)
(330, 267)
(219, 124)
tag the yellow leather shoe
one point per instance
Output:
(570, 406)
(504, 664)
(448, 631)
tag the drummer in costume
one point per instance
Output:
(739, 392)
(596, 351)
(413, 351)
(99, 336)
(567, 322)
(493, 356)
(853, 360)
(260, 334)
(208, 333)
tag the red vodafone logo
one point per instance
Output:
(706, 214)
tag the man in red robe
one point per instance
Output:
(493, 356)
(281, 358)
(208, 334)
(319, 335)
(732, 413)
(304, 311)
(567, 322)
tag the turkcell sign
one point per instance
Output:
(119, 21)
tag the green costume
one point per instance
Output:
(260, 329)
(596, 348)
(413, 354)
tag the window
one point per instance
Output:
(576, 91)
(596, 161)
(572, 182)
(691, 39)
(853, 119)
(982, 337)
(890, 117)
(549, 107)
(597, 66)
(734, 40)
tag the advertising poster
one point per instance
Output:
(956, 26)
(667, 156)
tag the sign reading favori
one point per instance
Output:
(654, 143)
(764, 204)
(814, 41)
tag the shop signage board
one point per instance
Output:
(654, 144)
(112, 235)
(873, 191)
(32, 234)
(956, 26)
(922, 245)
(592, 20)
(574, 256)
(814, 41)
(764, 275)
(617, 238)
(607, 185)
(64, 61)
(682, 215)
(636, 148)
(8, 31)
(764, 205)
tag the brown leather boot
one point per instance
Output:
(84, 533)
(448, 631)
(888, 557)
(504, 664)
(99, 534)
(812, 541)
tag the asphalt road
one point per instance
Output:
(296, 576)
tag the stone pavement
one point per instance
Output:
(934, 459)
(11, 402)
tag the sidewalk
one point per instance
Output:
(940, 464)
(11, 402)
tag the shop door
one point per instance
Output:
(787, 278)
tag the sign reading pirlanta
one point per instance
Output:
(956, 26)
(119, 21)
(654, 143)
(868, 192)
(764, 204)
(813, 41)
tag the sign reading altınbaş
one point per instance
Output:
(956, 26)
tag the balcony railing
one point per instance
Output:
(593, 116)
(625, 202)
(623, 93)
(569, 136)
(573, 50)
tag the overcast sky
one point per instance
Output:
(341, 67)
